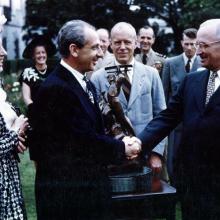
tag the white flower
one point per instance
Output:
(29, 73)
(16, 84)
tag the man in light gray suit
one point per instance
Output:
(174, 71)
(146, 97)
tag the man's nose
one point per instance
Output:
(122, 45)
(2, 51)
(100, 53)
(198, 51)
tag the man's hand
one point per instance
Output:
(155, 163)
(21, 147)
(132, 147)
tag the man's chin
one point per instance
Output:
(123, 61)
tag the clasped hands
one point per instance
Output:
(132, 147)
(20, 125)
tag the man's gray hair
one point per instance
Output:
(121, 26)
(215, 22)
(72, 32)
(146, 27)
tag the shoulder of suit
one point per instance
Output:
(146, 69)
(174, 58)
(160, 55)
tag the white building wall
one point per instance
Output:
(13, 33)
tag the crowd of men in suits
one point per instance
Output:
(68, 141)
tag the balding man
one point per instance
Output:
(196, 104)
(148, 56)
(104, 44)
(69, 145)
(146, 98)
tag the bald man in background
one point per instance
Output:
(104, 44)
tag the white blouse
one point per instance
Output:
(6, 110)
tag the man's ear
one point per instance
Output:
(182, 43)
(73, 50)
(110, 44)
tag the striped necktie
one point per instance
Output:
(88, 89)
(126, 86)
(210, 86)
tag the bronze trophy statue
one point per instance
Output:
(117, 124)
(131, 175)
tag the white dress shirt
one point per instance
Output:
(185, 58)
(6, 110)
(79, 76)
(130, 72)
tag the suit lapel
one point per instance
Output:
(200, 90)
(136, 84)
(195, 64)
(180, 66)
(78, 91)
(214, 99)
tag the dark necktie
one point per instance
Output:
(187, 67)
(144, 59)
(88, 89)
(210, 86)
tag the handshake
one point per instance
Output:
(132, 147)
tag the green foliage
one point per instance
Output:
(197, 11)
(50, 15)
(13, 90)
(27, 172)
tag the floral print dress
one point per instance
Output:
(33, 78)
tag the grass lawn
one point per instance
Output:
(27, 171)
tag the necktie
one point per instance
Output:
(210, 86)
(187, 67)
(126, 85)
(144, 59)
(88, 89)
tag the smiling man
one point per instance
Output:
(148, 56)
(104, 44)
(68, 141)
(196, 105)
(146, 97)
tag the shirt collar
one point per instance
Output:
(131, 72)
(148, 54)
(186, 58)
(218, 73)
(79, 76)
(131, 63)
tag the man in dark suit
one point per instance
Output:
(174, 71)
(197, 105)
(68, 141)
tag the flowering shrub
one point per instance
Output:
(13, 88)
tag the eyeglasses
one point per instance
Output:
(202, 45)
